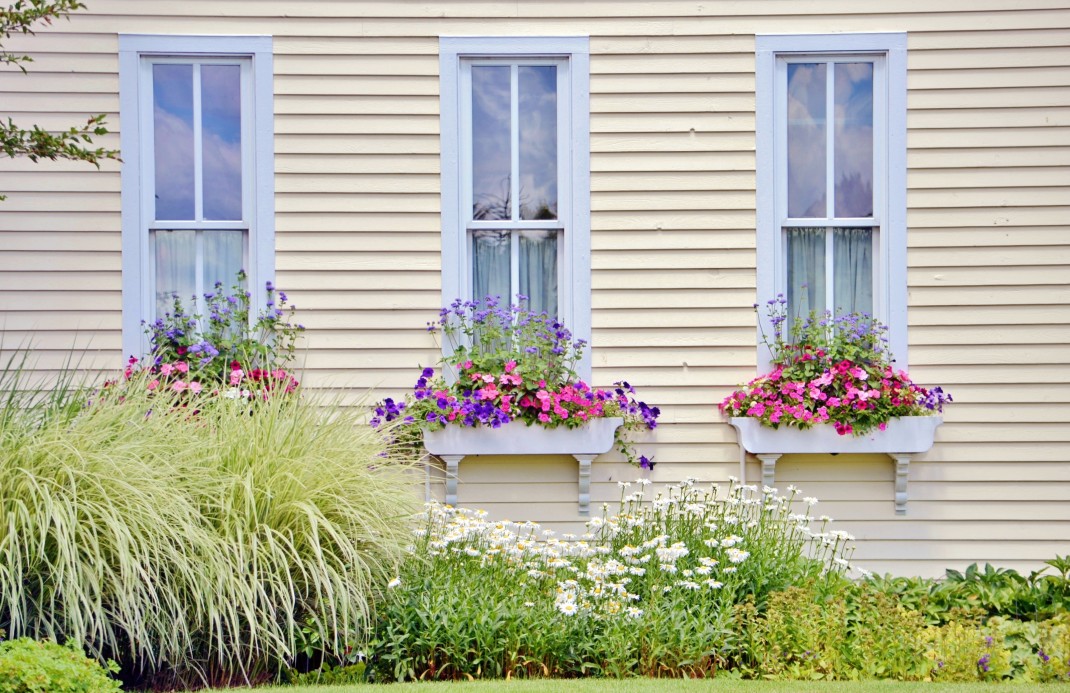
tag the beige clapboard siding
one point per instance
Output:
(672, 100)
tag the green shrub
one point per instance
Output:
(648, 591)
(979, 593)
(187, 537)
(853, 633)
(33, 666)
(964, 652)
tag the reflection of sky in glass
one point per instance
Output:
(173, 140)
(806, 140)
(491, 152)
(221, 141)
(173, 128)
(538, 141)
(853, 139)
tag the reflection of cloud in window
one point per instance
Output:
(174, 169)
(538, 142)
(490, 141)
(806, 140)
(174, 166)
(854, 139)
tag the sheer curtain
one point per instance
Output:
(806, 271)
(222, 254)
(853, 279)
(490, 265)
(538, 270)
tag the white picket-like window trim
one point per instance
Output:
(572, 55)
(137, 54)
(888, 52)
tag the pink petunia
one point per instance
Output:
(178, 386)
(182, 367)
(195, 387)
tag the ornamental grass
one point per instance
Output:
(189, 537)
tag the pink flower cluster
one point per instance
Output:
(850, 396)
(177, 377)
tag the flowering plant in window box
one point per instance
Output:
(218, 349)
(831, 370)
(507, 364)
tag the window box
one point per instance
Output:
(453, 443)
(902, 438)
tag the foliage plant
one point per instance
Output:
(834, 370)
(982, 592)
(215, 344)
(649, 590)
(505, 364)
(857, 632)
(36, 143)
(42, 666)
(190, 545)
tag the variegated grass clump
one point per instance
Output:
(192, 538)
(650, 590)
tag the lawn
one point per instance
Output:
(666, 685)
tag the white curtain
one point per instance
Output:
(490, 265)
(538, 270)
(853, 279)
(806, 271)
(222, 254)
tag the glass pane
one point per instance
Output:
(491, 142)
(806, 140)
(172, 127)
(538, 141)
(221, 141)
(491, 268)
(538, 270)
(176, 273)
(853, 140)
(806, 271)
(853, 276)
(224, 255)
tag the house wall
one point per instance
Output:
(673, 195)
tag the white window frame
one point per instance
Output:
(571, 54)
(773, 52)
(137, 54)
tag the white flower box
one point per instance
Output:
(903, 437)
(586, 442)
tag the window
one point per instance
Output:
(515, 173)
(832, 175)
(197, 181)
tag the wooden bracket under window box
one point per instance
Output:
(453, 443)
(903, 438)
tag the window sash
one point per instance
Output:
(564, 211)
(879, 175)
(148, 148)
